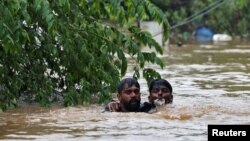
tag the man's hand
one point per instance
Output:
(113, 106)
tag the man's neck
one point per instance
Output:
(123, 109)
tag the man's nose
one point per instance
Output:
(160, 93)
(133, 94)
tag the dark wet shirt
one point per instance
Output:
(144, 107)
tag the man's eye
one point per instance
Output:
(155, 90)
(165, 90)
(136, 91)
(128, 91)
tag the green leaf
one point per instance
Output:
(159, 62)
(124, 67)
(150, 74)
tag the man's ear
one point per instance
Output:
(119, 97)
(149, 98)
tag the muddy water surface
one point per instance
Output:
(211, 85)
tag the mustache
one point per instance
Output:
(134, 100)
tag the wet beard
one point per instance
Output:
(157, 106)
(132, 106)
(159, 102)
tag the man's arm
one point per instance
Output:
(113, 106)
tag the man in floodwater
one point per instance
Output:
(129, 97)
(160, 94)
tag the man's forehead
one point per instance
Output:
(159, 86)
(126, 86)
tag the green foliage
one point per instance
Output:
(150, 74)
(74, 47)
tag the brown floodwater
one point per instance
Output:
(211, 85)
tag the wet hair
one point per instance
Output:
(129, 81)
(160, 82)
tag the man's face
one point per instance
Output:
(160, 94)
(130, 98)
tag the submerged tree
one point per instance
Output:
(74, 47)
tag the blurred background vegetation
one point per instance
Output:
(223, 16)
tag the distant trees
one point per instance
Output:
(223, 16)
